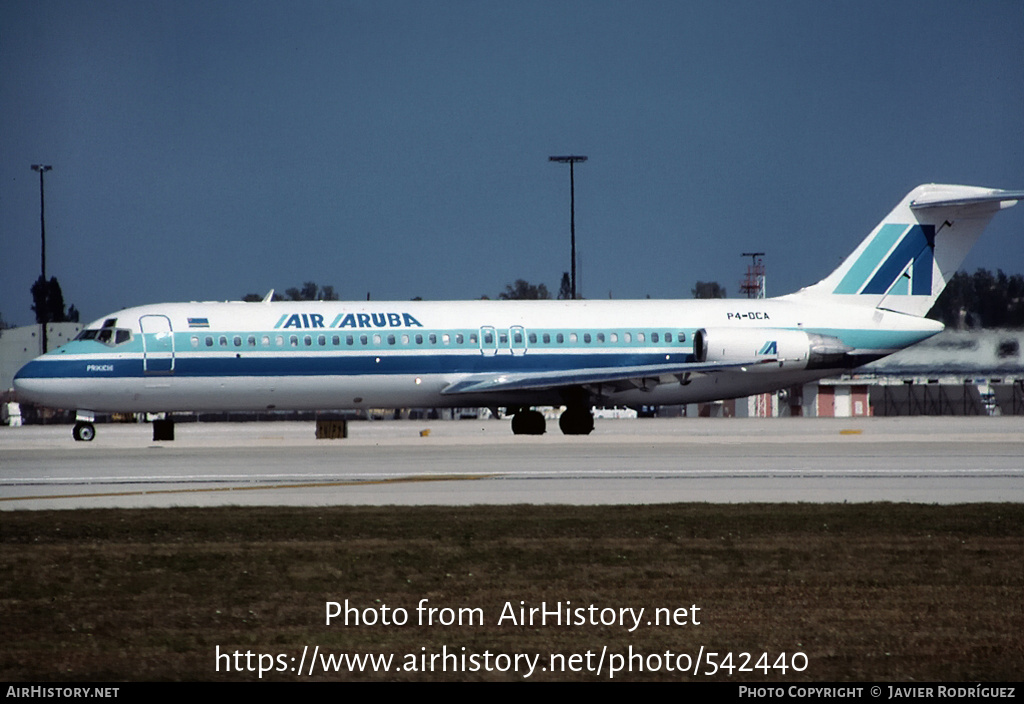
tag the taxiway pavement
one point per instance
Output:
(923, 459)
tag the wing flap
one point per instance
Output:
(639, 376)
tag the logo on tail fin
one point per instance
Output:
(898, 260)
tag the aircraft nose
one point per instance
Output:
(27, 381)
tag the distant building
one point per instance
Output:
(21, 345)
(954, 373)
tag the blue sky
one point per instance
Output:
(205, 150)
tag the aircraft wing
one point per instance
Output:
(639, 377)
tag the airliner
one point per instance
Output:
(518, 355)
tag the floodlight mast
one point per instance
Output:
(571, 161)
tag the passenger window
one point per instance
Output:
(586, 337)
(294, 340)
(668, 337)
(266, 340)
(573, 337)
(600, 337)
(419, 339)
(503, 338)
(627, 336)
(280, 340)
(195, 340)
(223, 341)
(559, 338)
(238, 340)
(532, 337)
(209, 341)
(445, 338)
(336, 340)
(640, 337)
(472, 338)
(405, 339)
(547, 338)
(682, 337)
(654, 337)
(433, 338)
(350, 340)
(307, 340)
(614, 336)
(322, 340)
(488, 338)
(376, 338)
(363, 340)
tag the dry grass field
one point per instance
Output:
(864, 591)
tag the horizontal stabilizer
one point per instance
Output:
(942, 200)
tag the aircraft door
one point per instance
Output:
(157, 344)
(517, 339)
(488, 340)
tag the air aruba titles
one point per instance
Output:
(348, 320)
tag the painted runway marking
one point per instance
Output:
(314, 485)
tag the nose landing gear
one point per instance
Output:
(84, 432)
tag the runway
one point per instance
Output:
(923, 459)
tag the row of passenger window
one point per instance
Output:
(444, 339)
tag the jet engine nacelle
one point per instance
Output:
(765, 349)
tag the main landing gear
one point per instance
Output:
(575, 420)
(527, 422)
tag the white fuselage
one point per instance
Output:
(318, 355)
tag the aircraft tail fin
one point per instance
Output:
(906, 261)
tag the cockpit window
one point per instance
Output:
(108, 335)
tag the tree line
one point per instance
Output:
(981, 300)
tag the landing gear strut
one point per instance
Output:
(527, 422)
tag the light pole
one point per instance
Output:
(42, 169)
(571, 160)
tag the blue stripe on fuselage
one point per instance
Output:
(326, 364)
